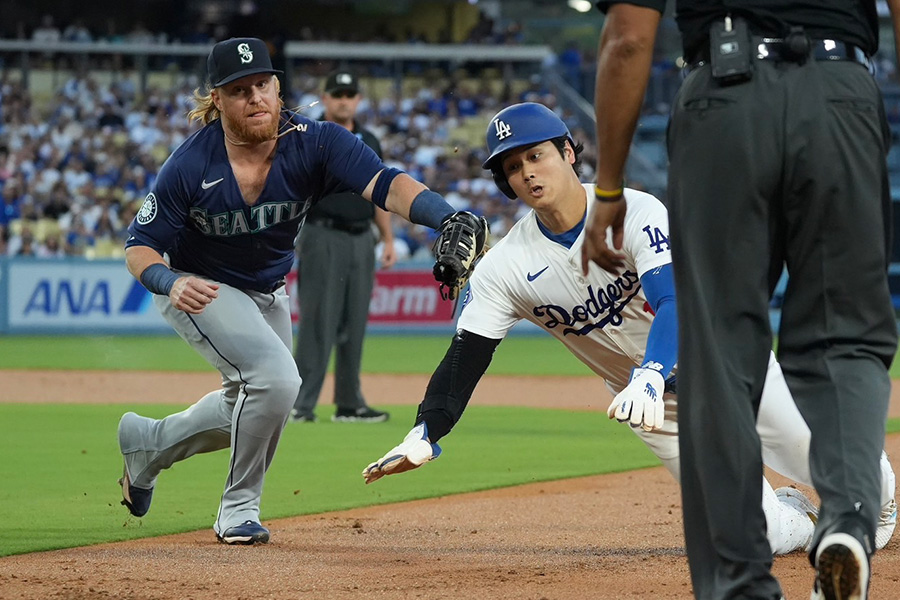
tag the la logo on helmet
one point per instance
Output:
(245, 52)
(502, 130)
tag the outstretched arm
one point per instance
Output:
(453, 382)
(623, 69)
(446, 398)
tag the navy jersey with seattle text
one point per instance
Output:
(196, 213)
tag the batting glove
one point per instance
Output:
(641, 402)
(414, 451)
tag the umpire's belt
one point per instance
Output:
(776, 49)
(352, 227)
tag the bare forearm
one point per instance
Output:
(138, 258)
(383, 223)
(624, 58)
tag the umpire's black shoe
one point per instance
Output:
(364, 414)
(301, 417)
(137, 500)
(842, 563)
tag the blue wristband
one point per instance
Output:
(159, 279)
(430, 209)
(383, 185)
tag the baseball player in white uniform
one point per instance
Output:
(623, 327)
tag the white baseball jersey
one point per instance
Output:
(603, 319)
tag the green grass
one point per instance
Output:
(517, 355)
(382, 354)
(61, 491)
(61, 462)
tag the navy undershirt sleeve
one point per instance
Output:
(662, 341)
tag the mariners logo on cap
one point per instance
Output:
(344, 79)
(246, 53)
(502, 130)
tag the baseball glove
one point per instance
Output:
(459, 244)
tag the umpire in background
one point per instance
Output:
(777, 146)
(335, 276)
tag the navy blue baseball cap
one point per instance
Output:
(524, 124)
(238, 57)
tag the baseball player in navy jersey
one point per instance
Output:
(213, 241)
(623, 326)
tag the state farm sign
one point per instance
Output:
(399, 297)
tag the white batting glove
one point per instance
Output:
(641, 402)
(414, 451)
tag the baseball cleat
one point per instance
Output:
(137, 500)
(887, 522)
(246, 534)
(797, 499)
(842, 569)
(365, 414)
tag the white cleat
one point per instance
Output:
(887, 522)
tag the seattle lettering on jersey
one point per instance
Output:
(236, 222)
(599, 302)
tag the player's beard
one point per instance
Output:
(253, 134)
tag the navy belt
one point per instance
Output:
(272, 288)
(776, 49)
(353, 228)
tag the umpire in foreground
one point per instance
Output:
(777, 146)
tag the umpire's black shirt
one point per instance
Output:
(851, 21)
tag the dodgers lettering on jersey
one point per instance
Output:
(601, 308)
(603, 319)
(195, 211)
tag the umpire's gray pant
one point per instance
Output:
(788, 168)
(335, 278)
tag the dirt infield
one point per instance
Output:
(605, 537)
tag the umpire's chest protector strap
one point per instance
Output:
(382, 185)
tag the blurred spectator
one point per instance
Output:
(47, 32)
(571, 62)
(23, 243)
(11, 196)
(110, 116)
(51, 247)
(77, 32)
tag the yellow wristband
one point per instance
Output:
(608, 195)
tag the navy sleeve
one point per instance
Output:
(660, 5)
(350, 164)
(662, 341)
(163, 214)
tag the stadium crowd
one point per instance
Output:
(75, 169)
(74, 172)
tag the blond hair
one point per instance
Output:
(205, 110)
